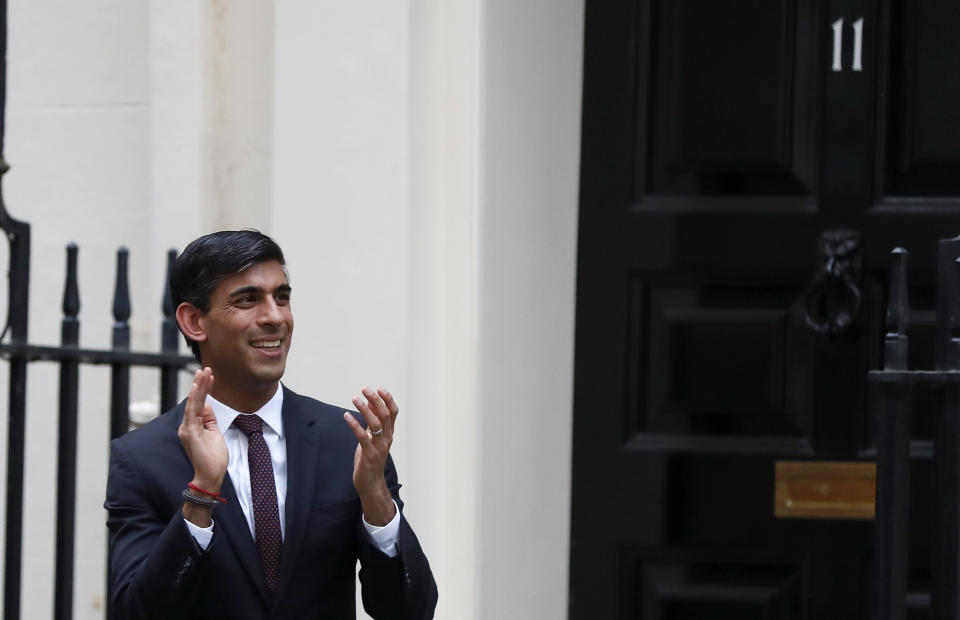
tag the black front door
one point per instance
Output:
(721, 140)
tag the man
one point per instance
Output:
(247, 500)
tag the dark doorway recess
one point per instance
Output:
(721, 140)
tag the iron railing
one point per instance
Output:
(893, 387)
(70, 356)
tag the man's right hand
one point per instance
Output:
(203, 442)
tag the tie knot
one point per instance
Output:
(248, 424)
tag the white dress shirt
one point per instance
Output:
(383, 538)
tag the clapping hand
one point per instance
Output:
(373, 446)
(203, 442)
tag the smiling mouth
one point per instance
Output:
(266, 344)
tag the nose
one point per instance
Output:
(270, 312)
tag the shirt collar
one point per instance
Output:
(270, 413)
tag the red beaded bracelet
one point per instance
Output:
(220, 499)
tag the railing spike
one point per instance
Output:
(898, 313)
(168, 309)
(169, 341)
(71, 289)
(954, 318)
(120, 372)
(67, 444)
(898, 309)
(952, 357)
(121, 291)
(948, 250)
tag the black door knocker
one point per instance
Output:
(833, 300)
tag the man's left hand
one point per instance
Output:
(373, 446)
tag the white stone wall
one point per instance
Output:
(418, 162)
(528, 230)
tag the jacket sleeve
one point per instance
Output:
(154, 560)
(400, 588)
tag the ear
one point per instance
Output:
(189, 318)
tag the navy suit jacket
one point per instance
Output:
(158, 571)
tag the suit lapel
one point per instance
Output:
(234, 525)
(299, 427)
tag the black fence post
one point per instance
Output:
(18, 235)
(945, 574)
(891, 522)
(169, 341)
(120, 371)
(67, 444)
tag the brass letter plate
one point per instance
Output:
(825, 490)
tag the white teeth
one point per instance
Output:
(267, 344)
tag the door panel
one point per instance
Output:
(682, 388)
(725, 117)
(925, 96)
(682, 586)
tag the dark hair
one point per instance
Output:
(207, 261)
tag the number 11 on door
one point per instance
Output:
(837, 27)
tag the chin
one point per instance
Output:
(269, 376)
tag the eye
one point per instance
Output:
(245, 301)
(282, 297)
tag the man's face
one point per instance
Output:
(248, 328)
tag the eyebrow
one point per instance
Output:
(244, 290)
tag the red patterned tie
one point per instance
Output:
(266, 516)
